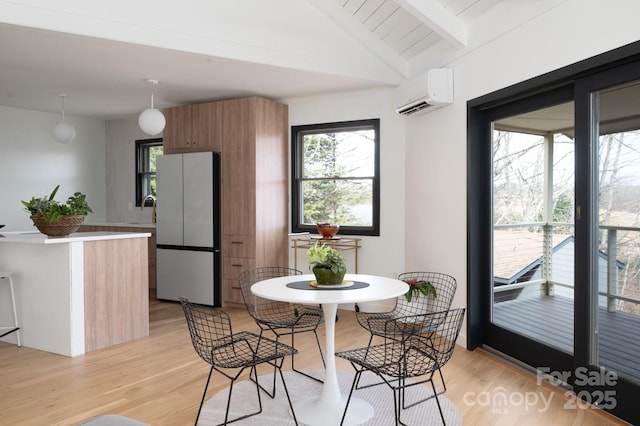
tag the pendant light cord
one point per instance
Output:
(62, 99)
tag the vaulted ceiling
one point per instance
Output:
(204, 49)
(410, 27)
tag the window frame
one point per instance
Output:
(297, 158)
(142, 146)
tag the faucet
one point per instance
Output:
(153, 211)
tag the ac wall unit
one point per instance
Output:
(430, 91)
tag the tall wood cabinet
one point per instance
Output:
(252, 134)
(255, 188)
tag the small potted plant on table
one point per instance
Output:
(327, 264)
(57, 219)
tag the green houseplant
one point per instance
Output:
(327, 264)
(58, 219)
(416, 288)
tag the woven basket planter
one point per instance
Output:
(327, 276)
(59, 227)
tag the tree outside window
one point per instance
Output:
(336, 176)
(147, 151)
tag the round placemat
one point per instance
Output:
(305, 285)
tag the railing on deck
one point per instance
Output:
(547, 283)
(612, 294)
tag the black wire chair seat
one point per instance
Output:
(389, 359)
(422, 349)
(243, 350)
(281, 315)
(281, 318)
(215, 342)
(392, 327)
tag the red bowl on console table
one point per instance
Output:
(327, 230)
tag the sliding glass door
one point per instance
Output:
(616, 303)
(610, 305)
(554, 193)
(533, 225)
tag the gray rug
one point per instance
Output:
(276, 411)
(111, 420)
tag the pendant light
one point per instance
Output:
(63, 132)
(151, 120)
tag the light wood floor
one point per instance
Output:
(159, 380)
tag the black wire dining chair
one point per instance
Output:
(445, 286)
(281, 318)
(216, 343)
(376, 323)
(423, 344)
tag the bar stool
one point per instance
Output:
(15, 328)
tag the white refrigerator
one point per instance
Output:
(188, 227)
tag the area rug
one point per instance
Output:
(276, 411)
(111, 420)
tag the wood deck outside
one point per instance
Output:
(549, 319)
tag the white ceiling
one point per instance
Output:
(46, 49)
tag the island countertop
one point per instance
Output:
(35, 237)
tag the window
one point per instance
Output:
(336, 176)
(147, 151)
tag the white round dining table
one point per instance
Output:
(327, 408)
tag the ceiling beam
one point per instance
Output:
(443, 22)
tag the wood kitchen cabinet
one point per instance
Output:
(254, 189)
(193, 128)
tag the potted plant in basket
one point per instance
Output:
(327, 264)
(58, 219)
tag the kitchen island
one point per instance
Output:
(130, 227)
(78, 293)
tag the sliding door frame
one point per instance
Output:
(576, 81)
(624, 391)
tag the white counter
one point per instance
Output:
(35, 237)
(77, 293)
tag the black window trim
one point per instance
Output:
(296, 169)
(138, 165)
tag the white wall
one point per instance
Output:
(32, 163)
(121, 136)
(436, 142)
(382, 255)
